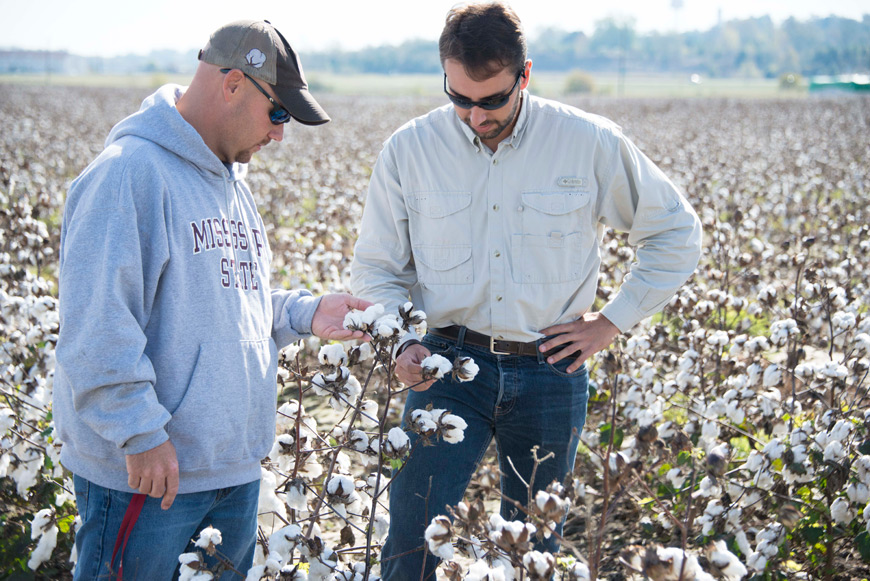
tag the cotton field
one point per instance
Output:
(728, 437)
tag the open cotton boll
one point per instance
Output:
(44, 548)
(332, 355)
(438, 537)
(209, 537)
(436, 366)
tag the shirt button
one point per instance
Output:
(495, 207)
(498, 298)
(497, 253)
(520, 209)
(495, 162)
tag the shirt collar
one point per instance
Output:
(516, 135)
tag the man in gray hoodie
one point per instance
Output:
(167, 356)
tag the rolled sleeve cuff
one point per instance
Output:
(622, 313)
(301, 313)
(144, 442)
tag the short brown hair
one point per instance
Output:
(486, 37)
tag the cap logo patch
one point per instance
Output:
(255, 58)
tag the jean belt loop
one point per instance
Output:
(541, 358)
(460, 340)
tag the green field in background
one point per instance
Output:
(545, 84)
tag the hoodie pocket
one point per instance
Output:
(228, 413)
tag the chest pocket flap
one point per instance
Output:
(556, 203)
(438, 204)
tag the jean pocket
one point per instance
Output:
(438, 346)
(560, 367)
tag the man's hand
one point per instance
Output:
(155, 473)
(584, 337)
(328, 321)
(408, 367)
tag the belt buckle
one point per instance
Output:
(492, 348)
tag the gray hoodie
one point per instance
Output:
(169, 328)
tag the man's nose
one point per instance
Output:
(277, 133)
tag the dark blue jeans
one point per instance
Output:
(160, 536)
(522, 402)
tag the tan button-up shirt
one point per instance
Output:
(507, 243)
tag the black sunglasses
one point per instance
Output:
(490, 104)
(278, 115)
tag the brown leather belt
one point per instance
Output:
(495, 346)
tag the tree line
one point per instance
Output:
(753, 47)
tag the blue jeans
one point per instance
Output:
(521, 401)
(160, 536)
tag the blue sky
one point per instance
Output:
(109, 28)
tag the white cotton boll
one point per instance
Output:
(358, 440)
(834, 370)
(481, 571)
(840, 431)
(710, 430)
(436, 366)
(773, 449)
(540, 565)
(753, 373)
(369, 413)
(780, 331)
(438, 538)
(381, 527)
(332, 355)
(841, 511)
(843, 320)
(296, 497)
(676, 478)
(453, 428)
(862, 343)
(255, 573)
(268, 501)
(371, 314)
(7, 419)
(734, 412)
(858, 493)
(754, 461)
(323, 566)
(718, 338)
(467, 369)
(772, 376)
(862, 466)
(388, 326)
(354, 320)
(423, 422)
(207, 537)
(40, 522)
(756, 561)
(579, 572)
(285, 540)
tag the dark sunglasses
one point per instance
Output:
(490, 104)
(278, 115)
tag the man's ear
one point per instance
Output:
(527, 71)
(232, 84)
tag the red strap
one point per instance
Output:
(130, 518)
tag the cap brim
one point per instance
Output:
(302, 106)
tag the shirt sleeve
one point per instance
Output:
(383, 268)
(110, 268)
(663, 228)
(293, 312)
